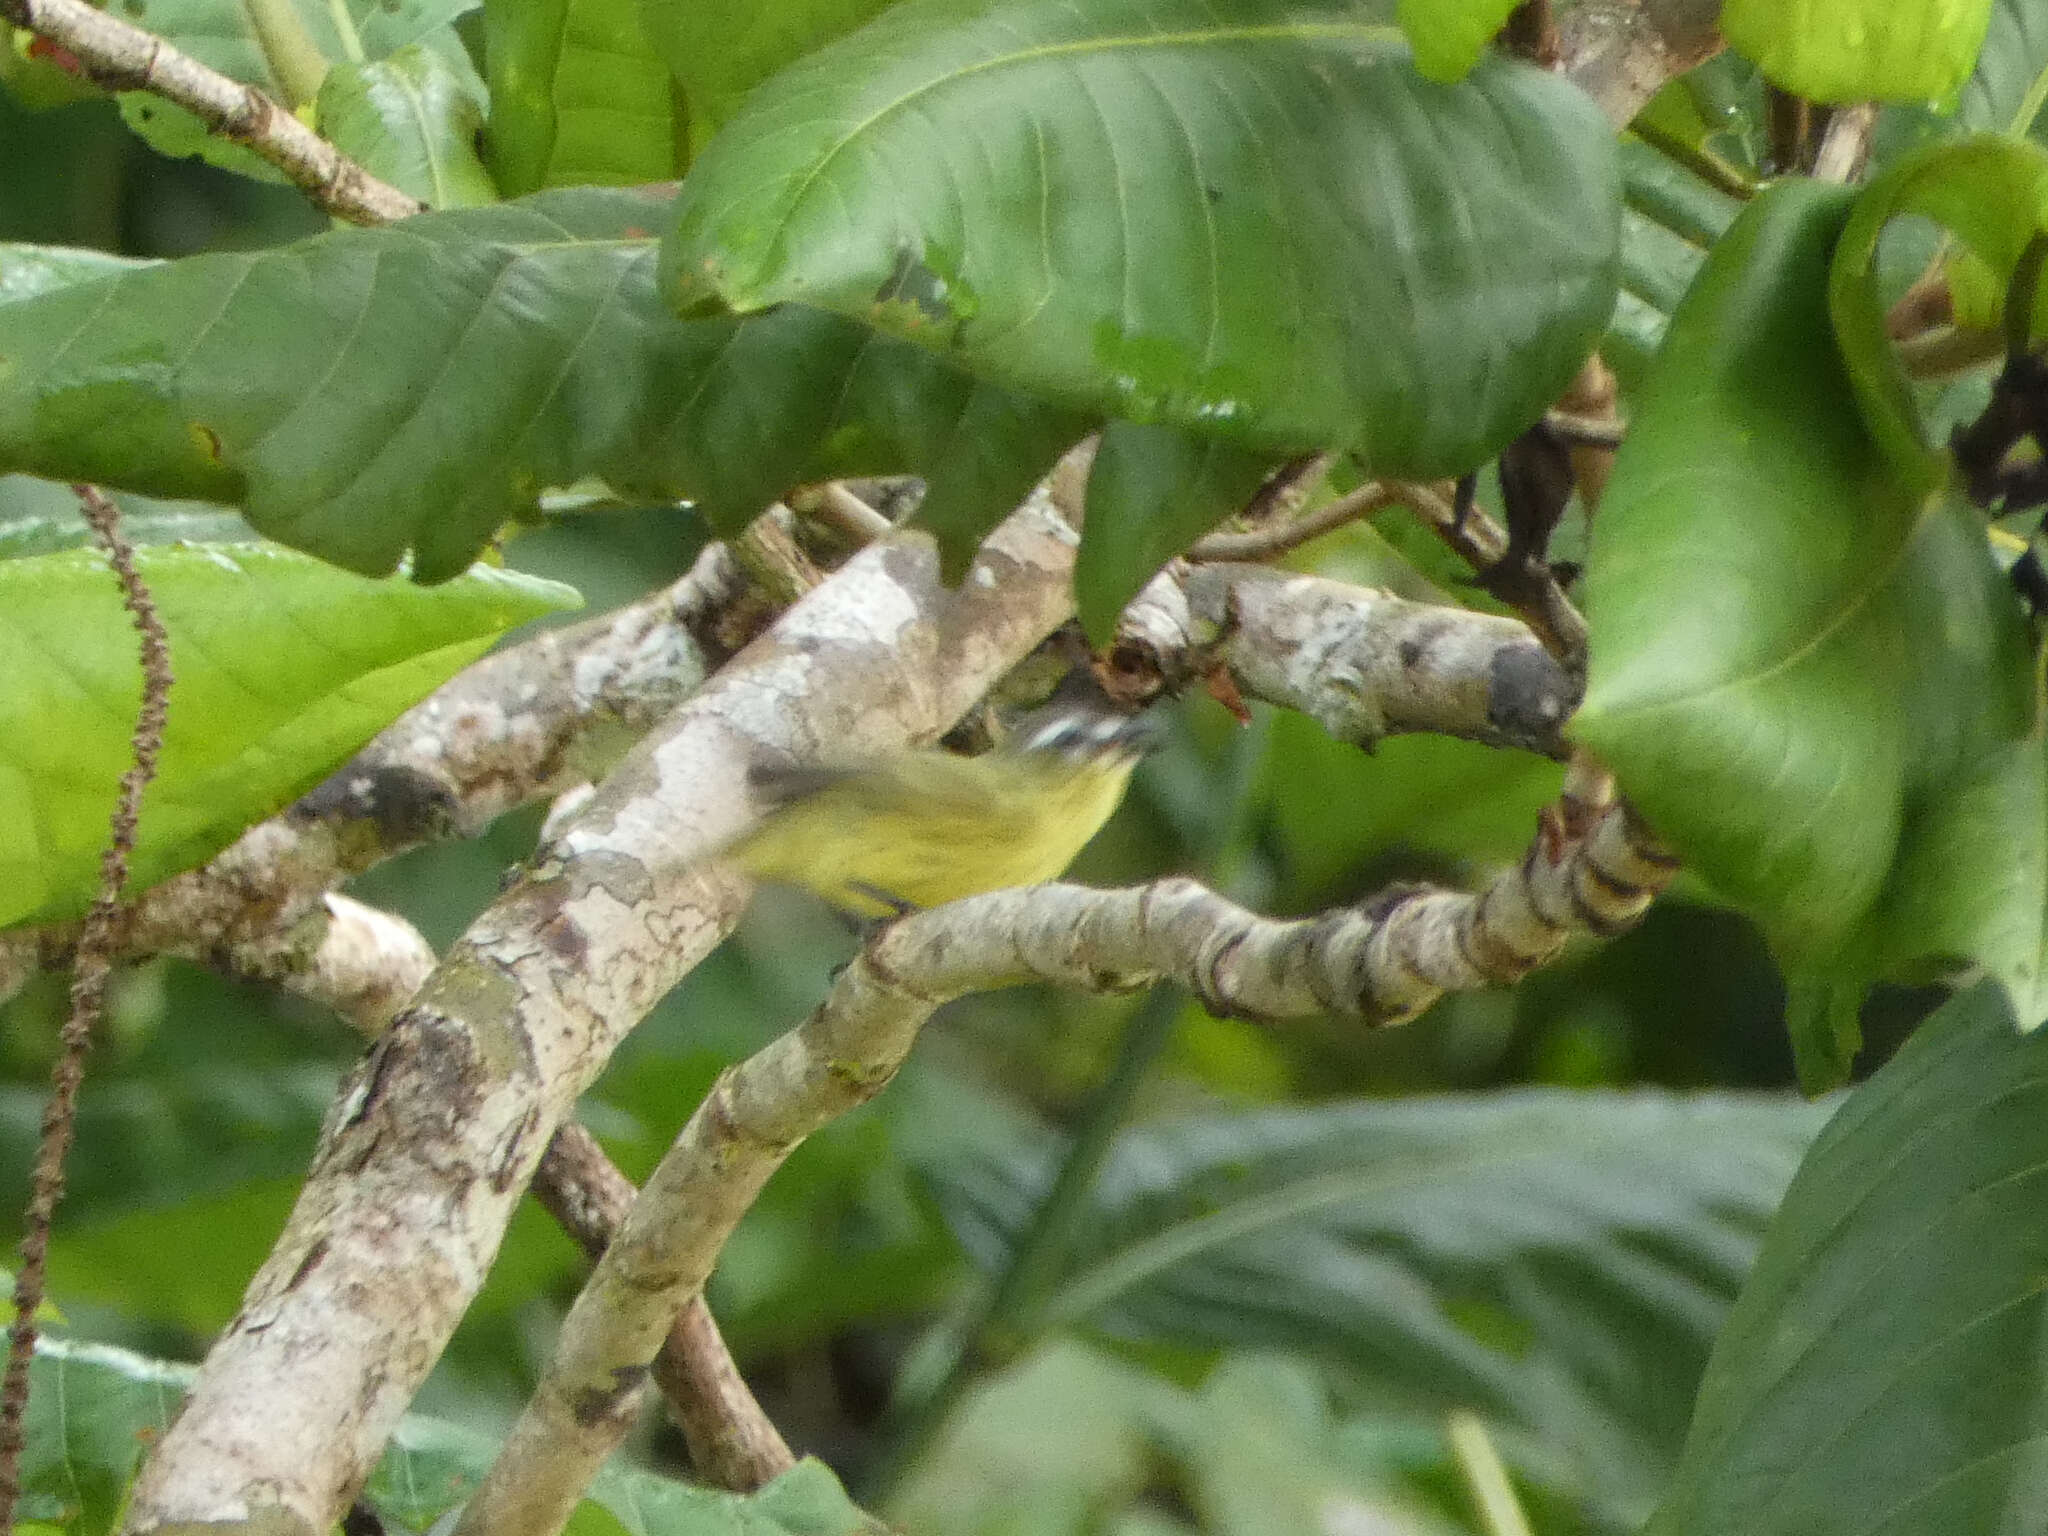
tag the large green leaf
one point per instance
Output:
(1558, 1260)
(369, 391)
(578, 96)
(1796, 658)
(283, 667)
(94, 1411)
(721, 49)
(1860, 50)
(28, 270)
(1883, 1369)
(1180, 212)
(413, 120)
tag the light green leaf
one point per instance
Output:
(1882, 1370)
(1991, 192)
(32, 78)
(411, 120)
(1180, 213)
(1794, 657)
(93, 1411)
(284, 48)
(284, 666)
(1860, 50)
(1558, 1261)
(721, 49)
(1448, 36)
(1151, 493)
(373, 390)
(578, 96)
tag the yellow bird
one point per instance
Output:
(922, 828)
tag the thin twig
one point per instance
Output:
(1279, 536)
(733, 1444)
(122, 57)
(92, 967)
(1845, 147)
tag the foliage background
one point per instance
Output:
(203, 1107)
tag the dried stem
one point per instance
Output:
(93, 965)
(1482, 543)
(122, 57)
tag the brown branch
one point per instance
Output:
(88, 992)
(1278, 536)
(121, 57)
(1621, 52)
(733, 1444)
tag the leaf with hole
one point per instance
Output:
(1264, 228)
(283, 667)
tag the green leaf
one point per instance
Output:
(1794, 657)
(1180, 213)
(1151, 493)
(33, 79)
(1071, 1437)
(1559, 1261)
(28, 270)
(411, 120)
(578, 96)
(1882, 1369)
(284, 48)
(1448, 36)
(1991, 192)
(719, 50)
(373, 390)
(1860, 50)
(284, 666)
(94, 1410)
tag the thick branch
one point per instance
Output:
(1365, 664)
(1382, 962)
(122, 57)
(1620, 52)
(423, 1158)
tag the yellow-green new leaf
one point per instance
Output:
(1860, 50)
(283, 666)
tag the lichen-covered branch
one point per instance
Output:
(516, 727)
(1592, 868)
(1365, 664)
(430, 1146)
(366, 964)
(733, 1444)
(123, 57)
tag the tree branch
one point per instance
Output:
(423, 1158)
(1364, 664)
(1591, 868)
(122, 57)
